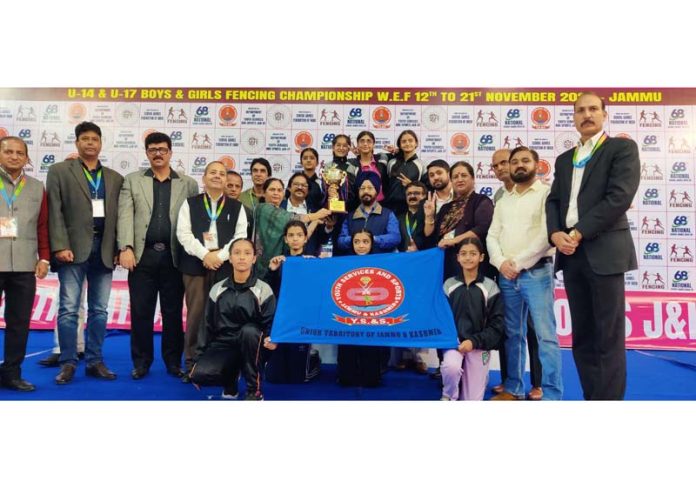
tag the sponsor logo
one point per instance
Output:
(381, 118)
(541, 118)
(228, 116)
(278, 117)
(460, 143)
(303, 140)
(228, 161)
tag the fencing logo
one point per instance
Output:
(649, 120)
(680, 199)
(381, 118)
(253, 141)
(329, 117)
(487, 173)
(651, 172)
(541, 118)
(201, 141)
(652, 281)
(176, 115)
(127, 114)
(368, 294)
(652, 227)
(434, 118)
(303, 140)
(49, 139)
(680, 254)
(278, 117)
(678, 145)
(460, 143)
(26, 113)
(227, 116)
(508, 140)
(486, 119)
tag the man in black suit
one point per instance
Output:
(594, 184)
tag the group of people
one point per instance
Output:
(222, 251)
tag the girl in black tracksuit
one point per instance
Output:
(238, 317)
(478, 311)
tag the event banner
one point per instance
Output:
(375, 300)
(234, 125)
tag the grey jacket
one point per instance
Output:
(70, 224)
(135, 210)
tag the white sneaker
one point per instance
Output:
(229, 396)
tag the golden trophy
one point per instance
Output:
(334, 177)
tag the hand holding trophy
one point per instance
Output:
(334, 177)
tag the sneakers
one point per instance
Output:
(229, 395)
(254, 395)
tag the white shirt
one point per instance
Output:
(518, 230)
(584, 150)
(300, 210)
(193, 246)
(439, 202)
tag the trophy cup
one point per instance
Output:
(334, 177)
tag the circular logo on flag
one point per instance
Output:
(368, 292)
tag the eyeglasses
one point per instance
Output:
(157, 150)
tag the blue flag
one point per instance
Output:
(374, 300)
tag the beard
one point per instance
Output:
(519, 177)
(439, 185)
(367, 200)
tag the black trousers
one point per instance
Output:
(156, 275)
(534, 363)
(221, 362)
(19, 289)
(597, 309)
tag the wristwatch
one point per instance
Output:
(573, 233)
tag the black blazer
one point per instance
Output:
(609, 183)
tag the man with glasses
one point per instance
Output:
(83, 200)
(24, 254)
(372, 216)
(149, 250)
